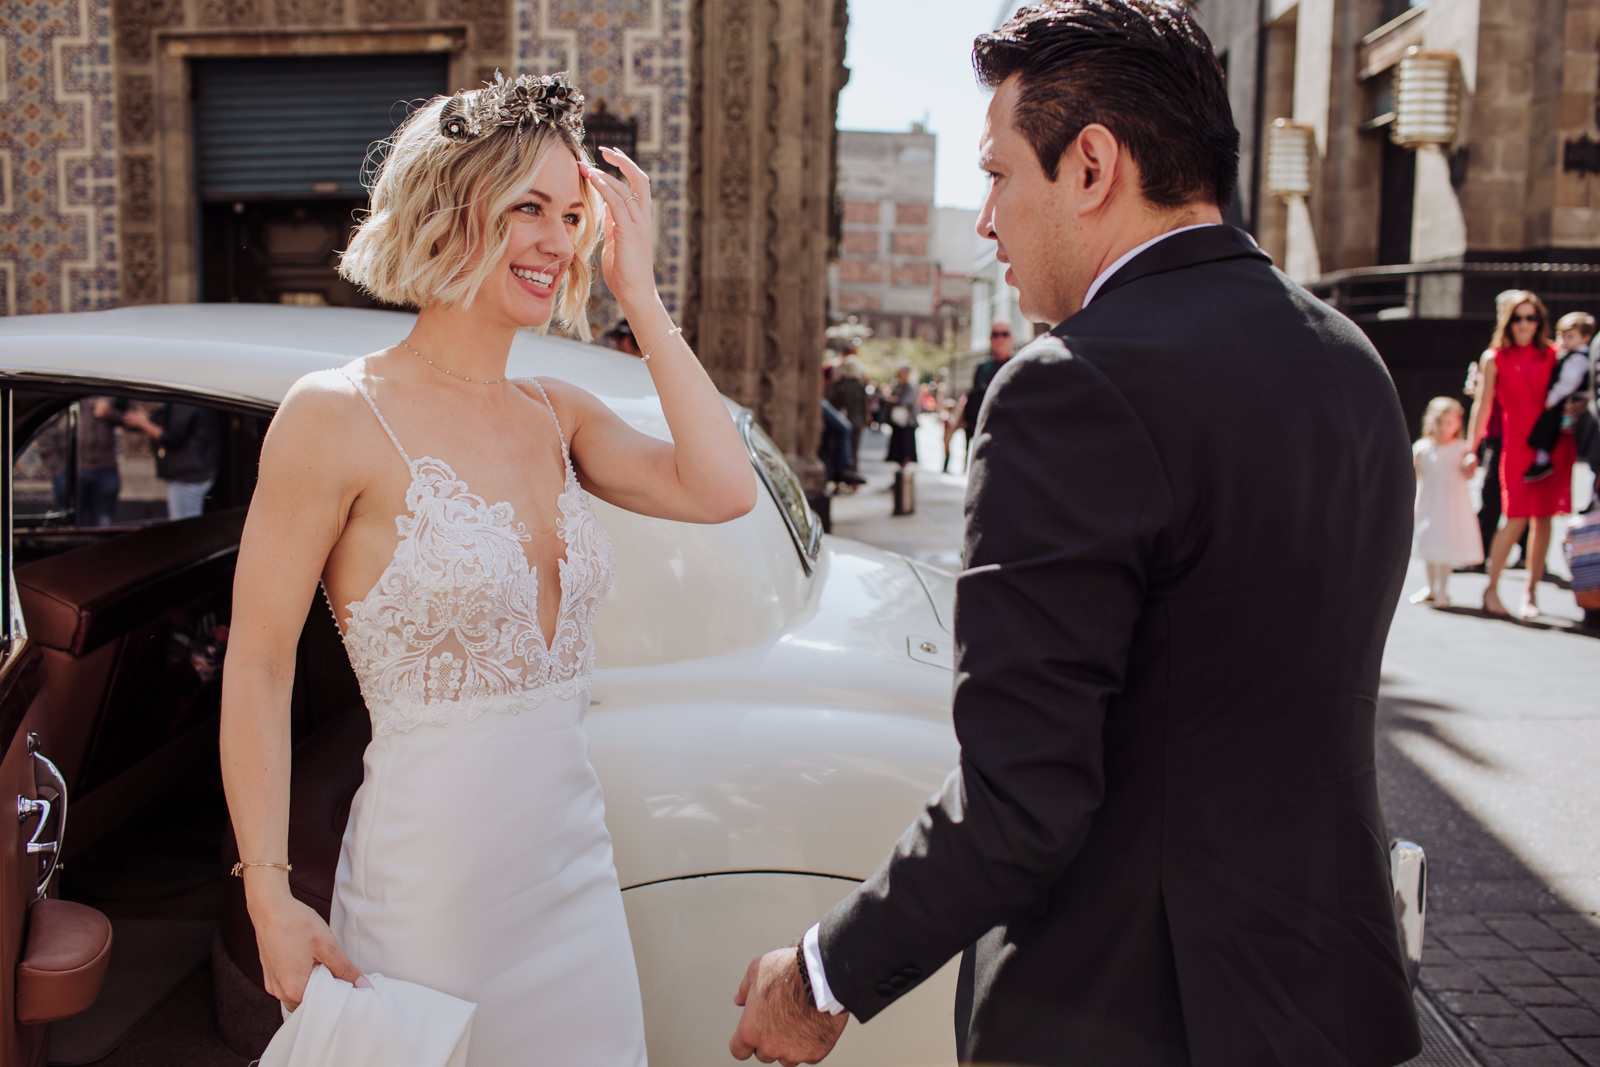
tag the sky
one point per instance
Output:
(917, 67)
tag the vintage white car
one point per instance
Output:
(771, 708)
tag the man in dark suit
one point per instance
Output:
(1163, 843)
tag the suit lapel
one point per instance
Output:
(1207, 245)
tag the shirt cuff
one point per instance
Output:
(811, 951)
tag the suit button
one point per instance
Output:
(885, 989)
(912, 972)
(899, 982)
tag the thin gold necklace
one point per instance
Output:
(447, 370)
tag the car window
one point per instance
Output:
(784, 485)
(90, 465)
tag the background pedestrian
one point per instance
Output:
(903, 398)
(971, 402)
(1446, 533)
(848, 394)
(1516, 375)
(187, 441)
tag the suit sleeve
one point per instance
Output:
(1065, 501)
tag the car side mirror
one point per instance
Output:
(1408, 873)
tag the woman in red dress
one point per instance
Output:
(1516, 372)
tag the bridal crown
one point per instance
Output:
(522, 102)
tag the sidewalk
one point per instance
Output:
(1488, 734)
(933, 533)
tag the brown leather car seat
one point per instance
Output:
(101, 614)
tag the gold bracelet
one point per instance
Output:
(647, 353)
(238, 868)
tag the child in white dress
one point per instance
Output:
(1446, 534)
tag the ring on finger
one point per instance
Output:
(631, 199)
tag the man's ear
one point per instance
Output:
(1095, 161)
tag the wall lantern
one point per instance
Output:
(1290, 150)
(1427, 99)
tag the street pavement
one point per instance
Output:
(1488, 734)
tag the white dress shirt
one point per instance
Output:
(811, 945)
(1122, 260)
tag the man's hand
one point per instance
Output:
(779, 1022)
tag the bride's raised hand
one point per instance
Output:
(627, 260)
(292, 940)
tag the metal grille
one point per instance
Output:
(300, 127)
(1440, 1046)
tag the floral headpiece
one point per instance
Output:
(522, 102)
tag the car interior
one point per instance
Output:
(130, 608)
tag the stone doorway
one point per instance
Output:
(277, 252)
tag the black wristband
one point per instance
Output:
(805, 974)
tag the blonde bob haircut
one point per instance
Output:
(438, 220)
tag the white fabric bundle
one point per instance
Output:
(392, 1024)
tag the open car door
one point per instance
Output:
(53, 954)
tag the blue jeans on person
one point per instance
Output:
(187, 499)
(835, 447)
(98, 489)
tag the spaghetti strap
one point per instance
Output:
(373, 404)
(566, 456)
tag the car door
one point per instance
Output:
(19, 713)
(32, 807)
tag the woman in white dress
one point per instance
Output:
(445, 511)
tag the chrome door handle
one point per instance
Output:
(27, 809)
(44, 808)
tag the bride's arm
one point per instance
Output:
(296, 516)
(703, 474)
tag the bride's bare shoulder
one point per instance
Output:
(323, 412)
(572, 403)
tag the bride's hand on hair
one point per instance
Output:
(627, 260)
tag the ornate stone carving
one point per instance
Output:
(765, 92)
(138, 180)
(233, 13)
(490, 19)
(378, 12)
(141, 269)
(136, 109)
(137, 20)
(308, 12)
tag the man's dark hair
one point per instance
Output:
(1142, 68)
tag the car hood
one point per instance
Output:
(872, 635)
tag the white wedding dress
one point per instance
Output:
(476, 860)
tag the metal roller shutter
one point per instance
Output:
(299, 128)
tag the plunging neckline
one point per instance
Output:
(510, 524)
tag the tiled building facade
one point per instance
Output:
(733, 101)
(58, 215)
(96, 145)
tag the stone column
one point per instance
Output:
(767, 75)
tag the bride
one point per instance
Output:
(445, 510)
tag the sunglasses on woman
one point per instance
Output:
(1524, 318)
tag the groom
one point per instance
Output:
(1163, 843)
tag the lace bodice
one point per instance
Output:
(452, 626)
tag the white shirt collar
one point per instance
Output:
(1121, 261)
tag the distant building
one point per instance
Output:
(178, 151)
(887, 276)
(1413, 242)
(956, 244)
